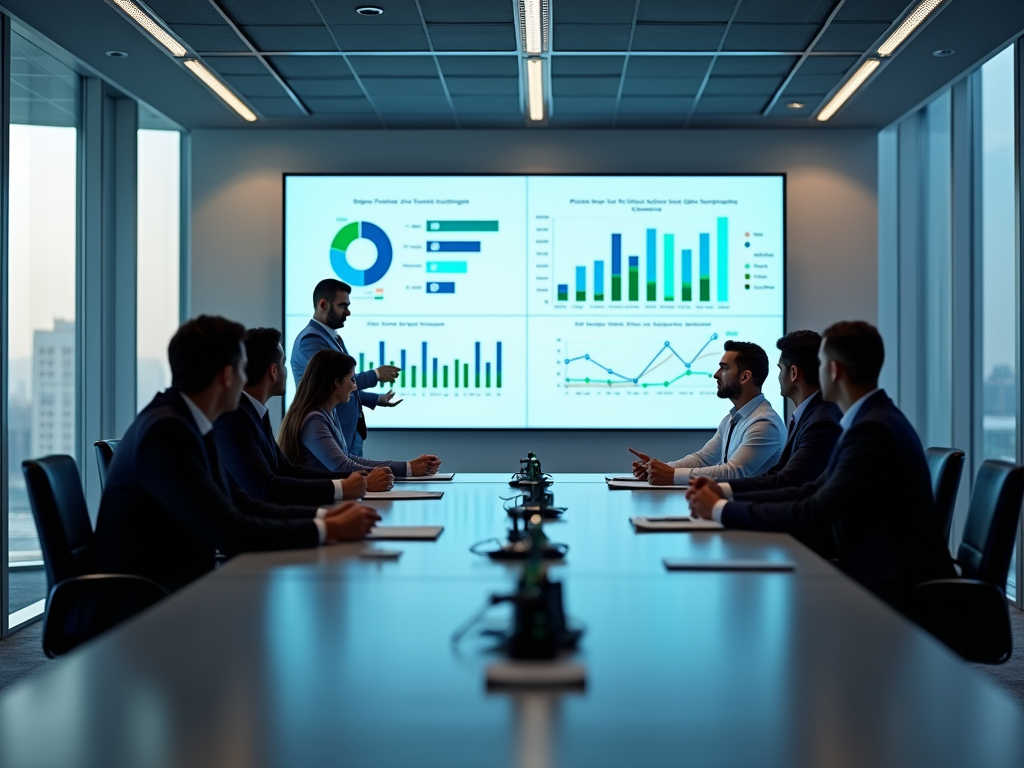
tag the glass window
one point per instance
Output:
(998, 266)
(41, 367)
(159, 257)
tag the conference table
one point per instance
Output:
(322, 657)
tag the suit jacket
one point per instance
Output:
(876, 494)
(167, 506)
(311, 340)
(807, 451)
(254, 461)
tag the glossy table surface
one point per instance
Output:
(321, 658)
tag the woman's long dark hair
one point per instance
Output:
(325, 369)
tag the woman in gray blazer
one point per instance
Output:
(310, 435)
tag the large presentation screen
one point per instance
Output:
(571, 302)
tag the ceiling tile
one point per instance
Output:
(754, 65)
(256, 85)
(276, 107)
(583, 104)
(731, 105)
(677, 37)
(769, 37)
(593, 11)
(654, 105)
(403, 86)
(479, 66)
(872, 10)
(236, 65)
(185, 12)
(287, 38)
(827, 65)
(782, 11)
(571, 120)
(590, 37)
(658, 121)
(397, 37)
(394, 66)
(472, 120)
(483, 86)
(587, 65)
(330, 88)
(484, 104)
(338, 105)
(693, 11)
(420, 120)
(668, 66)
(819, 85)
(742, 86)
(472, 37)
(850, 36)
(209, 37)
(410, 105)
(661, 86)
(344, 12)
(310, 66)
(461, 12)
(271, 12)
(584, 86)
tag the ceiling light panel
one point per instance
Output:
(215, 85)
(913, 20)
(849, 88)
(535, 88)
(155, 30)
(534, 25)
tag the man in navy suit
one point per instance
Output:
(876, 492)
(167, 505)
(252, 457)
(330, 308)
(813, 428)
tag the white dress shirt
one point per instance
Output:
(747, 442)
(206, 426)
(261, 411)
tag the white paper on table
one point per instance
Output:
(641, 485)
(673, 524)
(619, 478)
(439, 477)
(405, 532)
(399, 495)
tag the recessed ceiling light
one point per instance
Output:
(795, 105)
(943, 53)
(849, 88)
(534, 22)
(369, 10)
(149, 24)
(913, 20)
(215, 85)
(535, 88)
(117, 54)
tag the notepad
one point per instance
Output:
(675, 564)
(439, 477)
(399, 495)
(641, 485)
(673, 524)
(405, 532)
(620, 478)
(535, 674)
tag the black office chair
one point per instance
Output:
(105, 454)
(80, 605)
(969, 614)
(946, 466)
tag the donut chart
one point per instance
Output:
(348, 235)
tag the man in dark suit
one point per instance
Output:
(876, 491)
(167, 507)
(813, 429)
(251, 455)
(330, 308)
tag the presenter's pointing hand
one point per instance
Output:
(354, 486)
(380, 479)
(660, 473)
(425, 464)
(388, 400)
(387, 373)
(350, 521)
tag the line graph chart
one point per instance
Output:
(667, 367)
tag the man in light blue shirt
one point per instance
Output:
(750, 438)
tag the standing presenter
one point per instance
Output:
(330, 308)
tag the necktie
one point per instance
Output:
(269, 432)
(732, 426)
(266, 426)
(211, 453)
(790, 426)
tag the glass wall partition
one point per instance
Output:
(42, 289)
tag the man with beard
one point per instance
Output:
(330, 308)
(748, 441)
